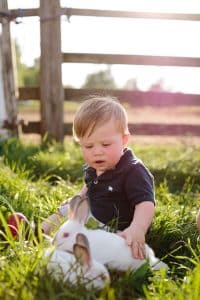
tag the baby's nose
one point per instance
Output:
(97, 150)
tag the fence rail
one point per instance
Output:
(135, 98)
(94, 58)
(108, 13)
(136, 129)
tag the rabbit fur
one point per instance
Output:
(106, 247)
(77, 267)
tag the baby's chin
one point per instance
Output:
(101, 171)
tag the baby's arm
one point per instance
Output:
(55, 219)
(135, 233)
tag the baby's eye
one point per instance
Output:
(88, 146)
(106, 145)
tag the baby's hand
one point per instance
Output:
(136, 240)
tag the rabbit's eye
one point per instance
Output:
(65, 234)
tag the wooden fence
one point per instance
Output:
(51, 93)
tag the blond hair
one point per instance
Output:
(97, 110)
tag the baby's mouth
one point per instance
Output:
(99, 161)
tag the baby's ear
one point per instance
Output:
(125, 139)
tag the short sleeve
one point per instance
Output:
(139, 184)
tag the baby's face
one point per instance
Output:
(103, 148)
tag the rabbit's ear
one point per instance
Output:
(82, 240)
(82, 255)
(80, 208)
(74, 202)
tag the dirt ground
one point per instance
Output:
(178, 115)
(175, 115)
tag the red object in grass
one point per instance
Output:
(14, 220)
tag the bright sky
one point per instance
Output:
(125, 36)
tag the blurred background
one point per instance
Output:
(130, 36)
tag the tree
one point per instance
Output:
(131, 84)
(27, 76)
(99, 80)
(158, 86)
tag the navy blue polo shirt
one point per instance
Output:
(114, 194)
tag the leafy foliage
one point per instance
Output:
(100, 80)
(27, 76)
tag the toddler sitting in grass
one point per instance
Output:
(119, 188)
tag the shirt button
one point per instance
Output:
(95, 181)
(110, 188)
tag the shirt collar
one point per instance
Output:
(125, 159)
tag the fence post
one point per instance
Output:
(9, 83)
(51, 89)
(3, 113)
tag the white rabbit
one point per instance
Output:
(77, 266)
(106, 247)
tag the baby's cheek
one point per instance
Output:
(86, 158)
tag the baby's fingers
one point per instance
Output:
(138, 250)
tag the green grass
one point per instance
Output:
(34, 106)
(34, 179)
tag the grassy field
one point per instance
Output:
(35, 178)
